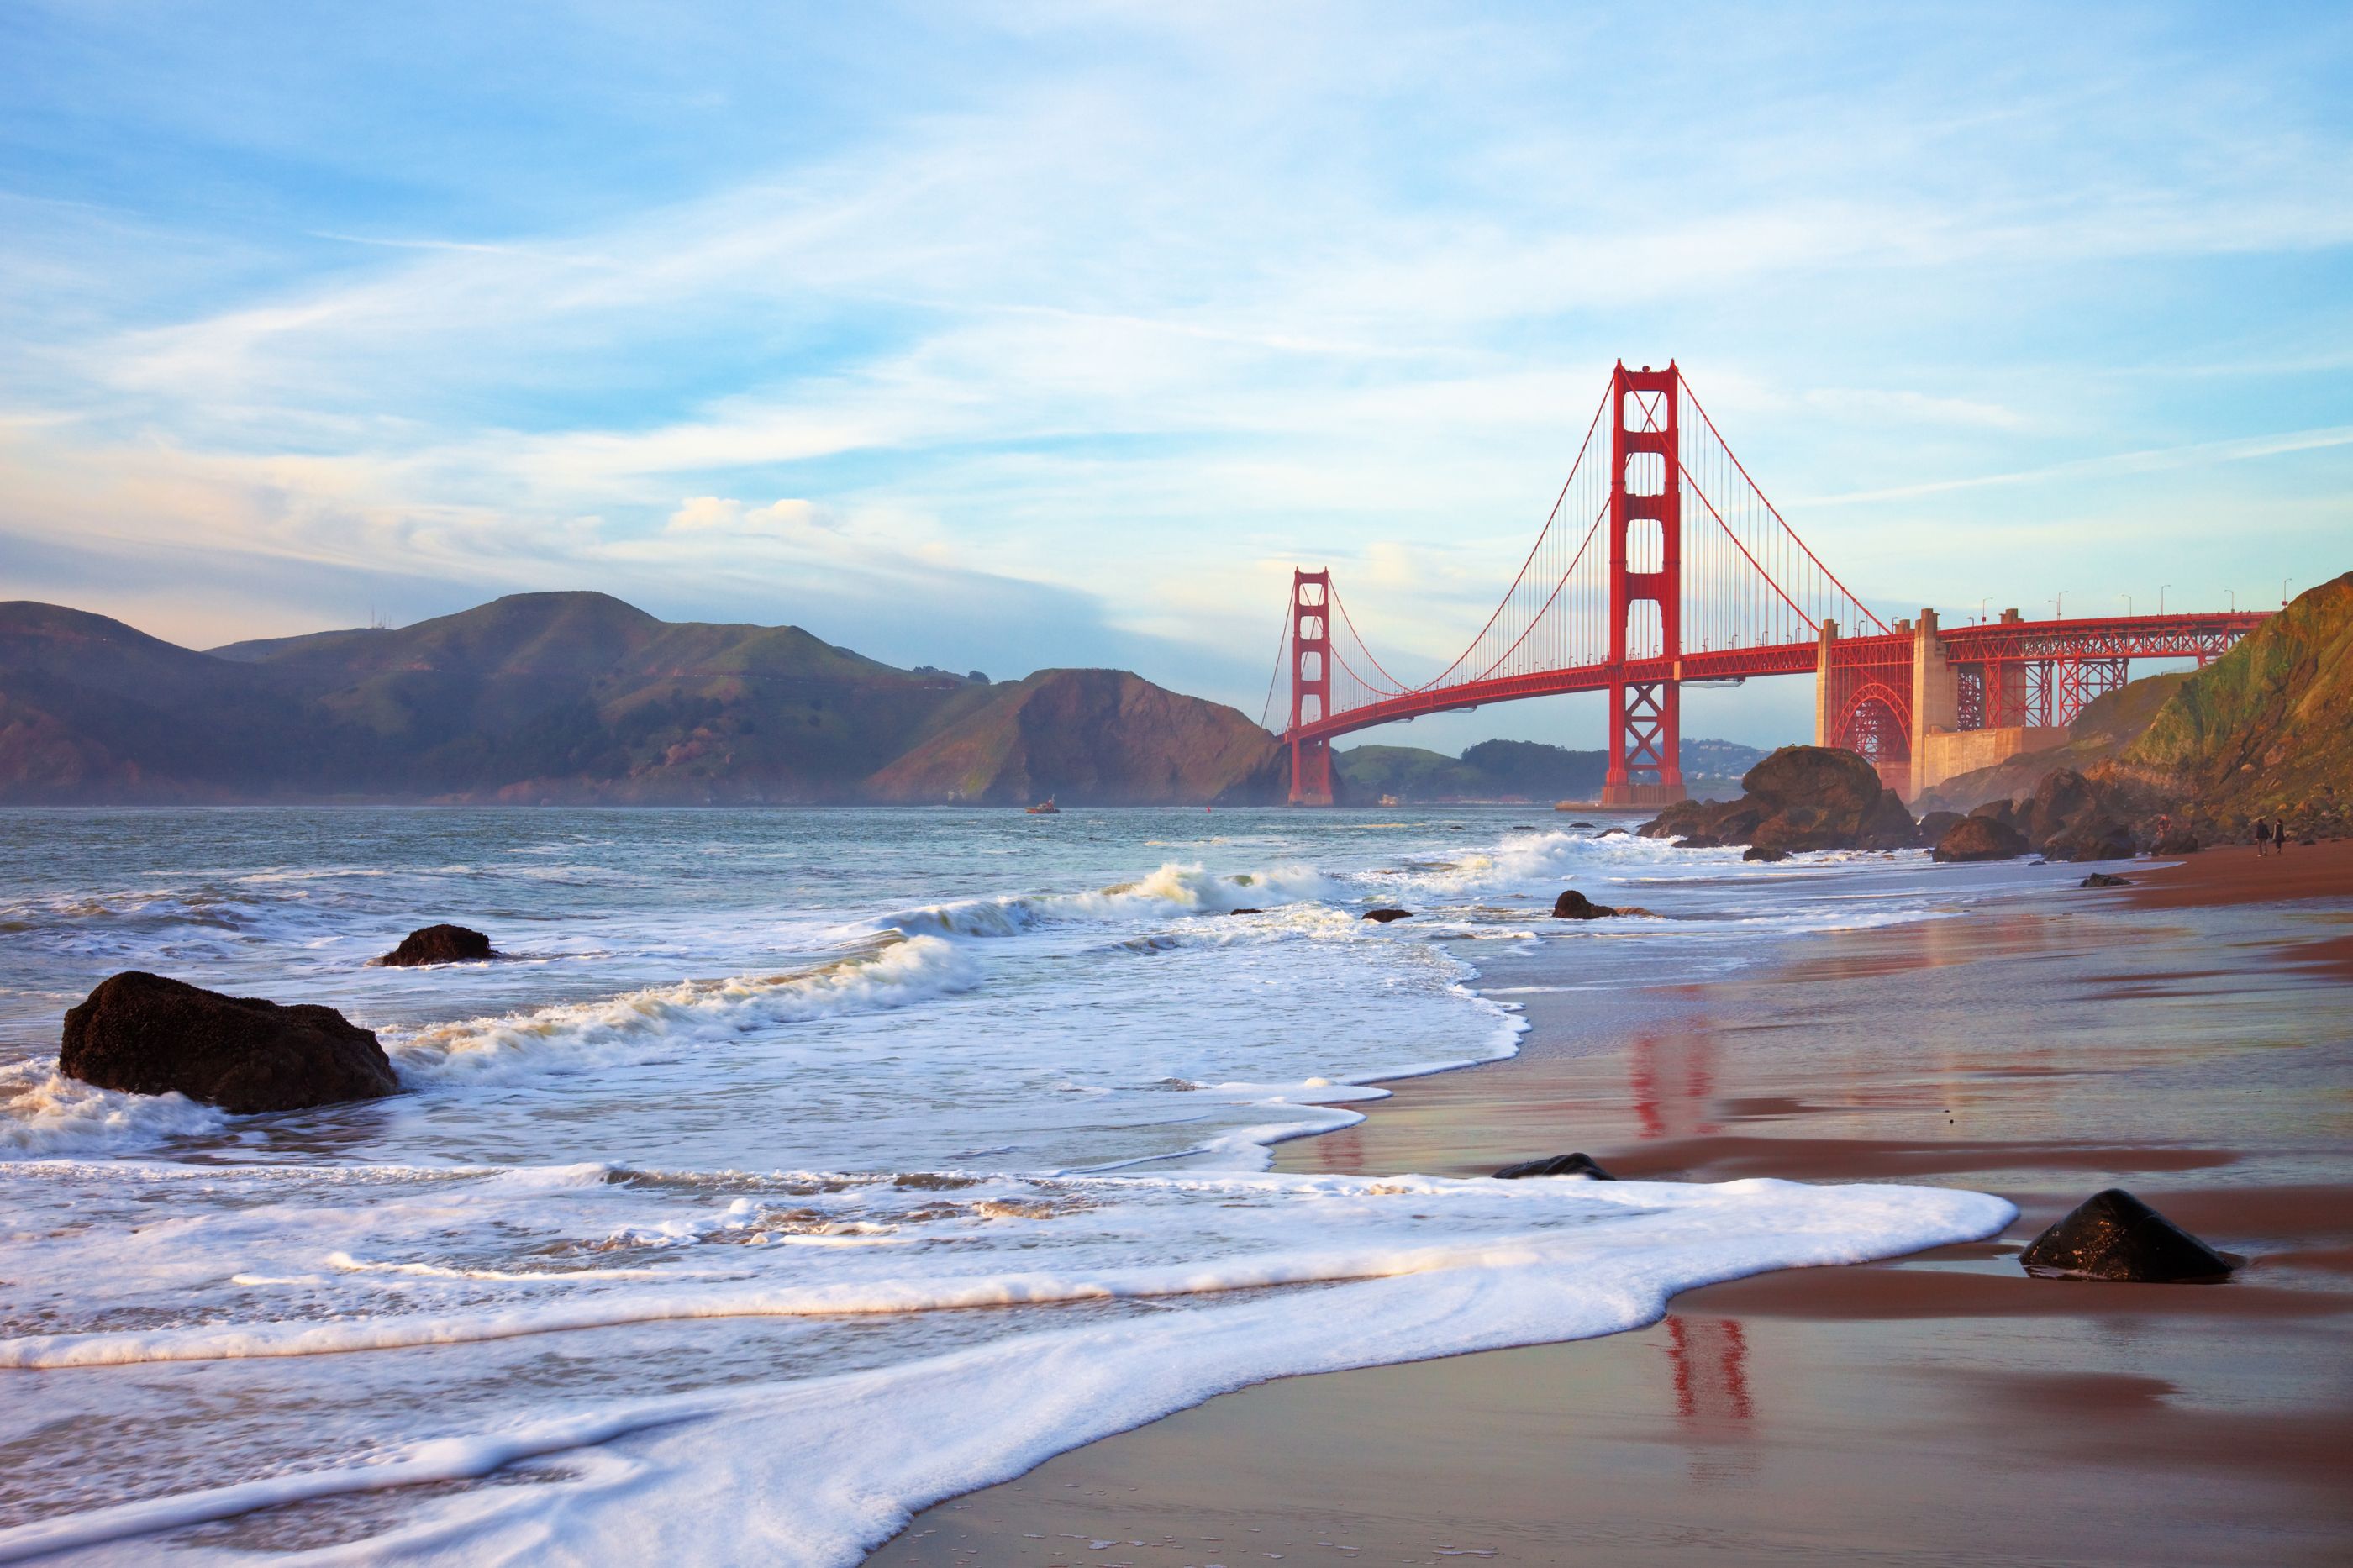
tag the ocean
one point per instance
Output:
(797, 1168)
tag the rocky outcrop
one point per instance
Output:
(1934, 824)
(440, 944)
(2114, 1236)
(144, 1034)
(1979, 838)
(2102, 879)
(1555, 1165)
(1385, 916)
(2265, 731)
(1572, 905)
(1798, 798)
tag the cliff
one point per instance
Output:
(575, 697)
(2266, 729)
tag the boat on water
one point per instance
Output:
(1046, 808)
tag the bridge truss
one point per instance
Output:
(1662, 563)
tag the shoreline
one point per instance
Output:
(2171, 1038)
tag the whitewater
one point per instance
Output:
(798, 1168)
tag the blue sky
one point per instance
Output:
(1022, 334)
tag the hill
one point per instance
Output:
(2266, 729)
(1510, 769)
(568, 697)
(1097, 735)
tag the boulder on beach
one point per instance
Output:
(1936, 823)
(2114, 1236)
(1385, 916)
(1768, 853)
(2102, 879)
(1557, 1166)
(1572, 905)
(2174, 841)
(1979, 838)
(2071, 817)
(145, 1034)
(1796, 799)
(440, 944)
(2095, 836)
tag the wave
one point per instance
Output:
(44, 1114)
(1173, 889)
(579, 1035)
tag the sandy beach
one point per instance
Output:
(2188, 1037)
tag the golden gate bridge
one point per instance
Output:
(1663, 564)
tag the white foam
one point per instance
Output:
(44, 1113)
(821, 1469)
(582, 1036)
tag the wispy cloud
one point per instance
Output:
(1119, 310)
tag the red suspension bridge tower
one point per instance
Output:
(1646, 573)
(1661, 563)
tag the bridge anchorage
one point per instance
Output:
(1698, 579)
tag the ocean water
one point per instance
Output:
(798, 1168)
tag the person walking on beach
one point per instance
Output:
(2279, 835)
(2262, 838)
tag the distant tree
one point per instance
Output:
(977, 677)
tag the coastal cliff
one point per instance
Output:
(578, 698)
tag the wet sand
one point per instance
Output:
(2189, 1037)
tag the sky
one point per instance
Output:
(1012, 335)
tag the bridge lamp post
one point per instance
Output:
(1981, 608)
(2284, 582)
(2235, 599)
(2160, 598)
(2127, 599)
(2059, 607)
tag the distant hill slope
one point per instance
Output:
(1098, 735)
(2267, 729)
(2108, 723)
(572, 697)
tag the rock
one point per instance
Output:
(1979, 838)
(1585, 825)
(440, 944)
(2174, 841)
(1887, 825)
(1611, 832)
(1936, 823)
(1557, 1165)
(2094, 836)
(1798, 798)
(1572, 905)
(1768, 853)
(1245, 912)
(2002, 811)
(1385, 916)
(2102, 879)
(2061, 799)
(144, 1034)
(2115, 1235)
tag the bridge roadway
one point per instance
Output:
(1878, 668)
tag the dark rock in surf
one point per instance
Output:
(1245, 912)
(440, 944)
(2102, 879)
(1385, 916)
(144, 1034)
(2114, 1236)
(1557, 1165)
(1936, 823)
(1979, 838)
(1572, 905)
(1768, 853)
